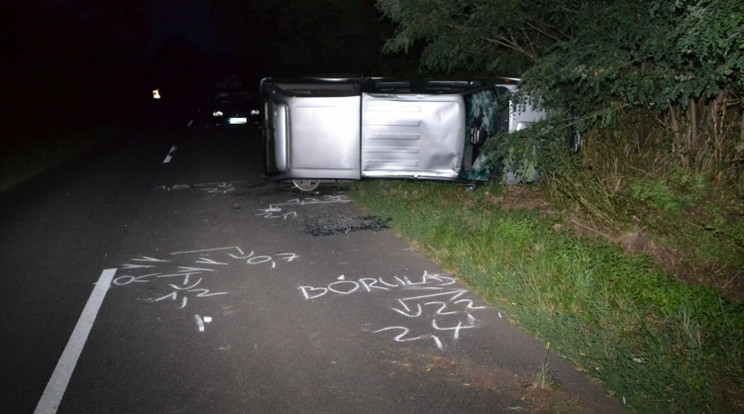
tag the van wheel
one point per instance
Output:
(305, 184)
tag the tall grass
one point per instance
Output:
(623, 183)
(657, 343)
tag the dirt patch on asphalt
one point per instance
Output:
(340, 223)
(516, 389)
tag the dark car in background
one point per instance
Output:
(233, 108)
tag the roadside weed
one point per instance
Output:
(544, 377)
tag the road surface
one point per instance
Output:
(162, 274)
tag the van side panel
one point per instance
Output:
(324, 137)
(412, 136)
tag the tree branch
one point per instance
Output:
(509, 44)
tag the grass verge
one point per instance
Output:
(657, 343)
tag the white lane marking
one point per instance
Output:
(170, 154)
(57, 384)
(191, 122)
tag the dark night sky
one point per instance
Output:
(89, 56)
(63, 57)
(191, 19)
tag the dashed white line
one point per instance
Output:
(57, 384)
(170, 154)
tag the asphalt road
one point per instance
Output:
(163, 274)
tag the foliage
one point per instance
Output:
(527, 152)
(650, 53)
(515, 154)
(479, 35)
(673, 194)
(681, 61)
(623, 183)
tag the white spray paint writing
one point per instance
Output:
(200, 321)
(182, 277)
(220, 187)
(446, 309)
(276, 211)
(367, 284)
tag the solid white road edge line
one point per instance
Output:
(57, 384)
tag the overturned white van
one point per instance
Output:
(318, 129)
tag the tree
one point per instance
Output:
(481, 36)
(680, 61)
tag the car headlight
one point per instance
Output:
(254, 112)
(217, 113)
